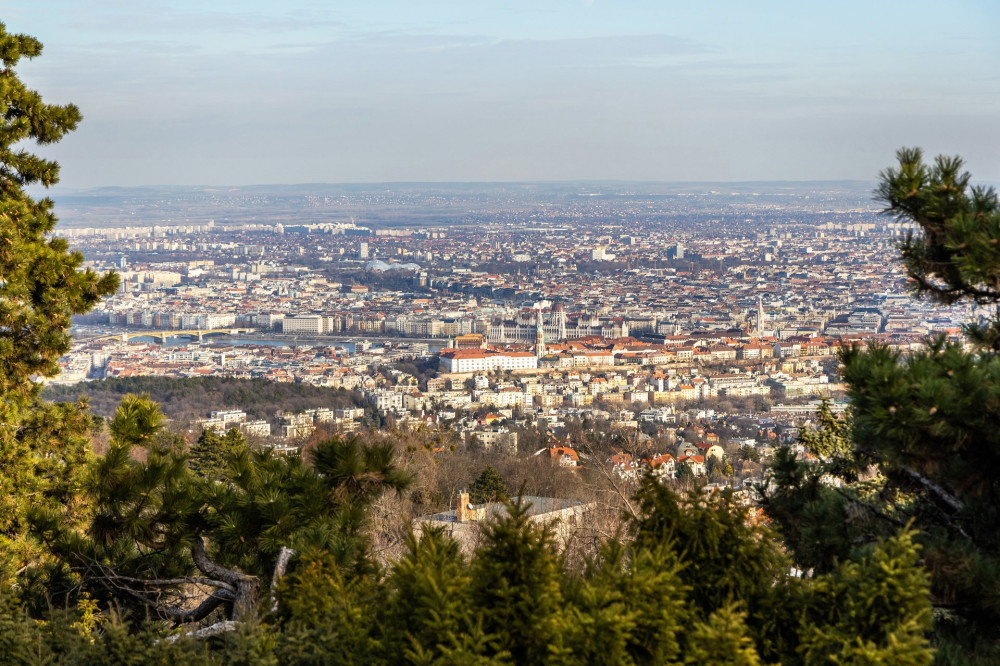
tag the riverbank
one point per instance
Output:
(259, 338)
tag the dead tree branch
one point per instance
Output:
(280, 566)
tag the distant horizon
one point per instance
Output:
(438, 183)
(184, 92)
(440, 203)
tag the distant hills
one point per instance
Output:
(439, 204)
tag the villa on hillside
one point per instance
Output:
(463, 523)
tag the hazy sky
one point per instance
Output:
(243, 92)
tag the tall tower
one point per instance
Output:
(760, 316)
(539, 335)
(560, 312)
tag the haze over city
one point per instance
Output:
(241, 93)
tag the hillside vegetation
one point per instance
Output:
(192, 398)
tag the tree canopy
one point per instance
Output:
(489, 486)
(920, 444)
(42, 285)
(697, 584)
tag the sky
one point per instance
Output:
(243, 92)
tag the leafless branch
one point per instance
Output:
(191, 580)
(180, 616)
(207, 632)
(210, 568)
(231, 586)
(940, 492)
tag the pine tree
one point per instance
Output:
(515, 583)
(158, 528)
(41, 287)
(921, 445)
(432, 619)
(723, 639)
(211, 453)
(488, 487)
(725, 558)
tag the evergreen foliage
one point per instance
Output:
(211, 453)
(42, 285)
(920, 446)
(432, 619)
(723, 639)
(870, 611)
(952, 252)
(515, 583)
(698, 584)
(158, 527)
(489, 486)
(327, 617)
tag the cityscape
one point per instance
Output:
(554, 333)
(647, 308)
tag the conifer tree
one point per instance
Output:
(515, 583)
(211, 453)
(158, 528)
(432, 619)
(631, 607)
(872, 610)
(488, 487)
(327, 617)
(723, 639)
(42, 285)
(739, 588)
(920, 445)
(714, 541)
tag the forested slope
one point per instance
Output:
(192, 398)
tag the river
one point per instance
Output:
(347, 343)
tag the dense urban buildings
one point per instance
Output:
(628, 305)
